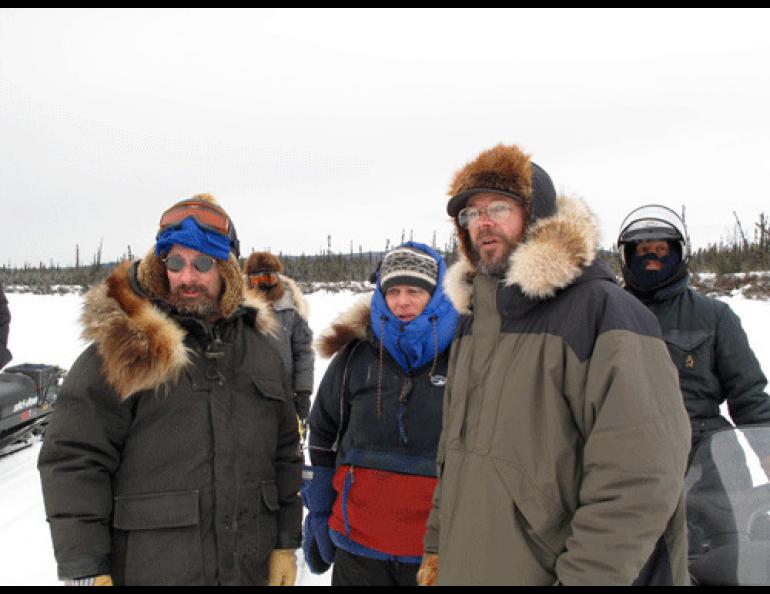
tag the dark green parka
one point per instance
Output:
(173, 453)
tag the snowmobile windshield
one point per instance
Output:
(728, 508)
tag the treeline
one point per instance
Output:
(744, 253)
(305, 269)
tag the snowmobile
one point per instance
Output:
(727, 491)
(27, 396)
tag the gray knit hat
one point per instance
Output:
(408, 266)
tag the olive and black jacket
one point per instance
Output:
(564, 441)
(173, 455)
(712, 355)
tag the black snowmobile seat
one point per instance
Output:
(15, 387)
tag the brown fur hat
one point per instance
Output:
(262, 261)
(508, 171)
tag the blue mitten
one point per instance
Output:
(318, 496)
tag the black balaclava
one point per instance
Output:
(650, 281)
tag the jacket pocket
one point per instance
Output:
(690, 351)
(268, 518)
(162, 538)
(542, 522)
(270, 388)
(269, 492)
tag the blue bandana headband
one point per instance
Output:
(190, 235)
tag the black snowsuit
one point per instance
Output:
(712, 354)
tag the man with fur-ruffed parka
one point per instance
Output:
(294, 336)
(375, 425)
(564, 442)
(173, 455)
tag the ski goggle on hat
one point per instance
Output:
(207, 215)
(263, 277)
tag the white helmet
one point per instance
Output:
(653, 222)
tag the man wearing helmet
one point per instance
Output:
(704, 336)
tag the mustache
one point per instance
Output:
(199, 288)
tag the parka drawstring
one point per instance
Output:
(434, 319)
(383, 319)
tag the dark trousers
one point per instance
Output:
(353, 570)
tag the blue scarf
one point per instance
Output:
(189, 234)
(413, 344)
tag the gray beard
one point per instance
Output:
(202, 307)
(494, 269)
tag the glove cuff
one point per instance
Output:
(318, 494)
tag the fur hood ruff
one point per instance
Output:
(552, 256)
(350, 325)
(142, 346)
(298, 301)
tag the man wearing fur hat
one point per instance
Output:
(173, 456)
(564, 441)
(295, 338)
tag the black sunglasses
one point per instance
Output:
(202, 263)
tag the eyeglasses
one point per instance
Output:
(201, 263)
(207, 215)
(496, 211)
(263, 278)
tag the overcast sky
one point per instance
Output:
(310, 123)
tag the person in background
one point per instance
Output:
(5, 322)
(295, 338)
(716, 365)
(564, 442)
(704, 336)
(375, 425)
(173, 454)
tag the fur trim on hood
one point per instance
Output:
(299, 302)
(301, 305)
(348, 326)
(142, 346)
(552, 256)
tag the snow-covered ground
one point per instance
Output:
(45, 329)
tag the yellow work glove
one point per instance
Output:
(428, 570)
(97, 580)
(282, 568)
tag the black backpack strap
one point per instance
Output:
(350, 350)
